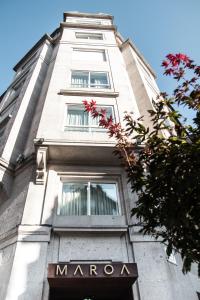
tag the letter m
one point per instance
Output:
(60, 272)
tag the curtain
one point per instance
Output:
(98, 198)
(98, 80)
(103, 199)
(94, 122)
(77, 118)
(80, 80)
(74, 199)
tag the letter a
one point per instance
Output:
(124, 268)
(78, 268)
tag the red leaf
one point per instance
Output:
(169, 71)
(165, 64)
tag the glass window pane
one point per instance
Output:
(94, 198)
(87, 35)
(103, 199)
(109, 111)
(94, 122)
(74, 199)
(98, 80)
(98, 36)
(89, 22)
(77, 118)
(80, 79)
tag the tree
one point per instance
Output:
(163, 164)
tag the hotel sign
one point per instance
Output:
(62, 272)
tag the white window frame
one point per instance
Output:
(89, 84)
(89, 179)
(88, 22)
(90, 127)
(89, 36)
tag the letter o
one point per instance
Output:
(108, 269)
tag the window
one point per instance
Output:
(87, 79)
(2, 129)
(89, 36)
(3, 124)
(16, 89)
(14, 92)
(79, 120)
(89, 55)
(29, 61)
(89, 198)
(6, 113)
(87, 21)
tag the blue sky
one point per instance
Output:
(156, 27)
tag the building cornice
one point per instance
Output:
(29, 160)
(25, 233)
(87, 15)
(89, 93)
(15, 169)
(119, 36)
(88, 26)
(127, 43)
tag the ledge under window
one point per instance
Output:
(75, 92)
(90, 223)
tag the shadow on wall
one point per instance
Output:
(29, 272)
(14, 189)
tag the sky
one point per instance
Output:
(156, 27)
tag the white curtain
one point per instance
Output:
(74, 199)
(97, 198)
(102, 201)
(80, 80)
(94, 122)
(98, 80)
(77, 118)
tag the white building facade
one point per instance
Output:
(65, 225)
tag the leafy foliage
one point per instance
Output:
(163, 165)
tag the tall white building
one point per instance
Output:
(65, 226)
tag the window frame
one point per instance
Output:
(89, 22)
(91, 179)
(90, 127)
(89, 84)
(89, 35)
